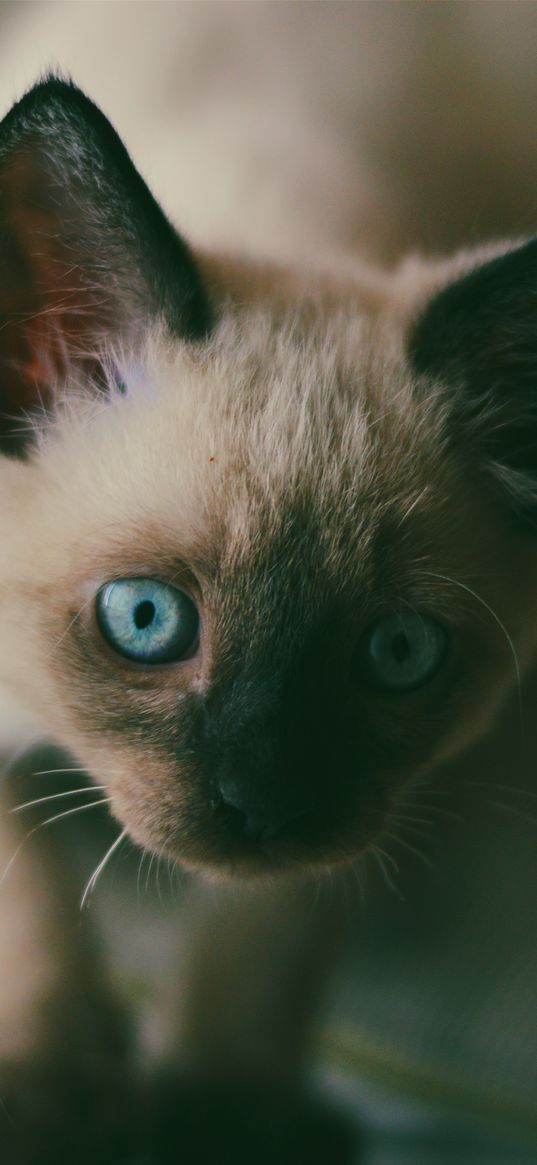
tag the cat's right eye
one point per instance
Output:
(147, 621)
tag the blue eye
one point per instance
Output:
(147, 620)
(404, 650)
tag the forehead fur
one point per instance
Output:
(215, 446)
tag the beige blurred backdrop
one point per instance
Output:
(299, 126)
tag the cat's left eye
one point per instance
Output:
(403, 651)
(146, 620)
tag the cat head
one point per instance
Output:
(268, 537)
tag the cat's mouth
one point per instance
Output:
(251, 822)
(229, 842)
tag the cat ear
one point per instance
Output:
(85, 252)
(478, 337)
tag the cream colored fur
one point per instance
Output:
(210, 446)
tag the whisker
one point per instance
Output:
(529, 818)
(358, 874)
(440, 811)
(12, 861)
(58, 796)
(91, 884)
(49, 821)
(59, 772)
(150, 867)
(422, 786)
(412, 829)
(379, 856)
(71, 623)
(408, 799)
(159, 888)
(503, 629)
(515, 790)
(397, 840)
(144, 854)
(171, 864)
(17, 754)
(413, 505)
(414, 820)
(388, 857)
(68, 813)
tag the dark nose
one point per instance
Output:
(261, 818)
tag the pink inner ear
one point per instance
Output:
(27, 297)
(24, 381)
(48, 314)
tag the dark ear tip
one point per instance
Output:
(54, 82)
(52, 86)
(59, 88)
(54, 95)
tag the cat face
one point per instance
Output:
(260, 574)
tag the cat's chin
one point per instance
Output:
(314, 847)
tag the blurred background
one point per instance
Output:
(376, 125)
(375, 129)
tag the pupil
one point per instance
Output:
(400, 647)
(144, 614)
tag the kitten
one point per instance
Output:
(260, 526)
